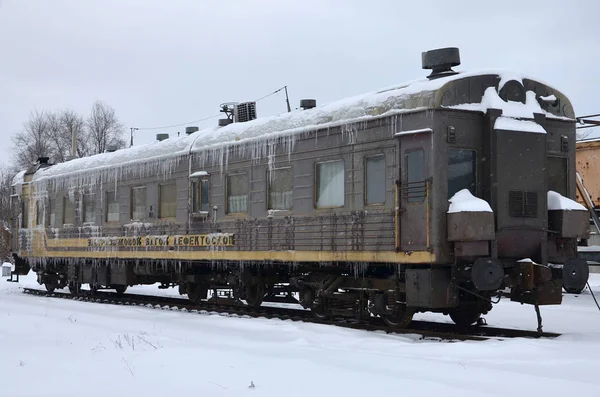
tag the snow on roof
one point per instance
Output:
(491, 100)
(265, 133)
(19, 178)
(464, 201)
(556, 201)
(510, 124)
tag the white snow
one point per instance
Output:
(198, 173)
(464, 201)
(510, 124)
(556, 201)
(549, 98)
(491, 100)
(51, 347)
(412, 132)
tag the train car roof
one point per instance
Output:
(163, 156)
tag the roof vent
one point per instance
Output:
(224, 122)
(440, 61)
(111, 148)
(245, 111)
(162, 137)
(308, 103)
(190, 130)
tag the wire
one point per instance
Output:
(268, 95)
(179, 125)
(205, 118)
(593, 296)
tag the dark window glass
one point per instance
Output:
(415, 176)
(375, 179)
(200, 195)
(461, 171)
(39, 214)
(557, 175)
(24, 213)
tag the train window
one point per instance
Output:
(52, 206)
(237, 193)
(462, 165)
(24, 213)
(415, 176)
(557, 175)
(138, 203)
(375, 179)
(39, 214)
(68, 211)
(167, 201)
(89, 208)
(280, 189)
(330, 184)
(200, 195)
(112, 207)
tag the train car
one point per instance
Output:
(436, 195)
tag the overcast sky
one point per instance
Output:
(172, 61)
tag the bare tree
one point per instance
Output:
(104, 128)
(6, 176)
(582, 134)
(33, 141)
(72, 123)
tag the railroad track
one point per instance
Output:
(428, 330)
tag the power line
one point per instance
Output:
(210, 117)
(178, 125)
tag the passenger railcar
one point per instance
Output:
(435, 195)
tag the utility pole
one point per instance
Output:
(132, 129)
(287, 99)
(73, 143)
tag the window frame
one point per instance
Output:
(132, 206)
(83, 208)
(227, 212)
(316, 184)
(64, 210)
(39, 215)
(160, 186)
(475, 173)
(114, 194)
(418, 200)
(366, 181)
(196, 191)
(268, 189)
(568, 166)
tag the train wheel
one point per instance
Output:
(466, 315)
(195, 293)
(320, 309)
(120, 289)
(50, 287)
(255, 293)
(400, 317)
(74, 288)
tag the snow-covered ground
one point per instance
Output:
(52, 347)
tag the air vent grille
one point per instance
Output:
(245, 112)
(522, 204)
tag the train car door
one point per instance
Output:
(413, 189)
